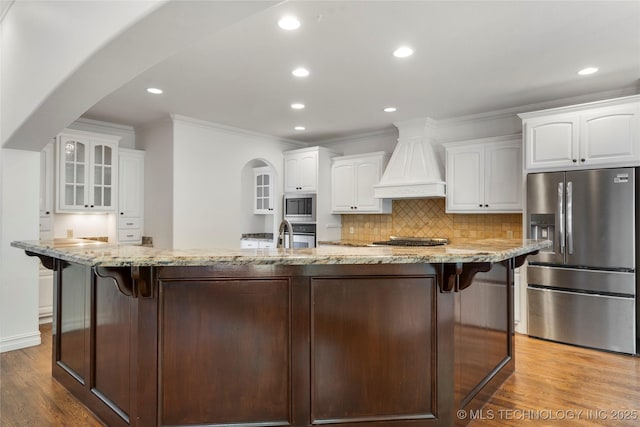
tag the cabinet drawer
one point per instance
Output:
(132, 235)
(45, 223)
(249, 244)
(129, 223)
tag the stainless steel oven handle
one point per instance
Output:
(570, 217)
(561, 214)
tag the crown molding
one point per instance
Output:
(235, 131)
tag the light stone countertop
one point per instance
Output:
(108, 255)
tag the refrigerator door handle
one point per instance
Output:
(570, 217)
(561, 214)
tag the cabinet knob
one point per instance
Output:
(86, 206)
(486, 206)
(582, 160)
(47, 212)
(121, 213)
(480, 205)
(91, 205)
(574, 160)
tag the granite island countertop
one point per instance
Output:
(109, 255)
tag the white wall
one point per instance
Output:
(19, 196)
(157, 142)
(208, 164)
(59, 56)
(45, 42)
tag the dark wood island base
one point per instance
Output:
(346, 337)
(283, 345)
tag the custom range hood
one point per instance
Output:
(414, 170)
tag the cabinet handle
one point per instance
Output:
(129, 235)
(129, 223)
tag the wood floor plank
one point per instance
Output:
(551, 380)
(29, 396)
(561, 385)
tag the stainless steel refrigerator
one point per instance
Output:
(583, 289)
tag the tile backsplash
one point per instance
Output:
(427, 218)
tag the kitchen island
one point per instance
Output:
(336, 335)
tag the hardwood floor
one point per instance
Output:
(552, 382)
(29, 396)
(565, 386)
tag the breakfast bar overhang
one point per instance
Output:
(276, 337)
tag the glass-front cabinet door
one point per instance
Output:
(263, 191)
(102, 184)
(74, 159)
(86, 174)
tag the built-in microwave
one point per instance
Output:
(300, 207)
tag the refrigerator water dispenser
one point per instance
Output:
(543, 227)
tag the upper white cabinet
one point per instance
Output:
(301, 171)
(484, 176)
(352, 181)
(263, 190)
(599, 134)
(130, 195)
(87, 172)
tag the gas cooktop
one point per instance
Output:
(412, 241)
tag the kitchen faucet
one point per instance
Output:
(283, 224)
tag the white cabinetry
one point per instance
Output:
(263, 190)
(46, 191)
(352, 181)
(301, 171)
(130, 195)
(485, 176)
(599, 134)
(308, 170)
(256, 244)
(87, 172)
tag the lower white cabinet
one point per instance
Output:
(45, 295)
(352, 181)
(256, 244)
(130, 196)
(484, 176)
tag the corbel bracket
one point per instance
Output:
(136, 282)
(47, 261)
(458, 276)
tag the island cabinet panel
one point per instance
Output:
(73, 322)
(226, 349)
(372, 349)
(112, 364)
(483, 337)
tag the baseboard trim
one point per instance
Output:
(17, 342)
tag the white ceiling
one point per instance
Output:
(470, 57)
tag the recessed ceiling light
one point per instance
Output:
(389, 109)
(299, 128)
(154, 90)
(403, 52)
(587, 71)
(300, 72)
(297, 106)
(289, 23)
